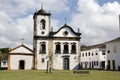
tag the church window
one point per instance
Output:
(42, 24)
(73, 51)
(65, 33)
(42, 32)
(43, 60)
(58, 49)
(43, 49)
(66, 50)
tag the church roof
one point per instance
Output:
(18, 47)
(114, 40)
(64, 26)
(41, 12)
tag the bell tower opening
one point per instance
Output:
(42, 22)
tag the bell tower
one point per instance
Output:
(41, 23)
(42, 29)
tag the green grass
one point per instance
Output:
(58, 75)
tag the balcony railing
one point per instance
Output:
(65, 52)
(42, 52)
(73, 51)
(57, 51)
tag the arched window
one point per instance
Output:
(58, 49)
(66, 49)
(42, 24)
(73, 49)
(43, 49)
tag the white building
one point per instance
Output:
(20, 57)
(93, 57)
(113, 54)
(3, 64)
(57, 50)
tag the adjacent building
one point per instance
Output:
(113, 54)
(93, 57)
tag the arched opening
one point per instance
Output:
(21, 64)
(66, 49)
(43, 49)
(42, 24)
(58, 49)
(73, 51)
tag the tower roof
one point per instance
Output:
(41, 12)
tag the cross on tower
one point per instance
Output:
(65, 20)
(22, 41)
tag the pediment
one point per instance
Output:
(66, 31)
(21, 49)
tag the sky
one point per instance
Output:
(97, 20)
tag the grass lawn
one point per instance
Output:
(58, 75)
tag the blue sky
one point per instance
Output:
(97, 19)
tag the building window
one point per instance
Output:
(73, 51)
(66, 49)
(58, 49)
(83, 54)
(103, 52)
(86, 54)
(92, 54)
(89, 53)
(96, 53)
(42, 48)
(108, 51)
(42, 24)
(109, 65)
(43, 60)
(4, 63)
(97, 63)
(115, 49)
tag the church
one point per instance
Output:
(58, 50)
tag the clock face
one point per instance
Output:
(65, 33)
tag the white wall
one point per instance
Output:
(96, 57)
(114, 48)
(4, 64)
(14, 61)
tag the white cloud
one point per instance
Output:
(97, 23)
(18, 8)
(12, 31)
(16, 19)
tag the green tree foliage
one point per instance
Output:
(0, 55)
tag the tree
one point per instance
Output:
(0, 55)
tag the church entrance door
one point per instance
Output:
(21, 64)
(66, 63)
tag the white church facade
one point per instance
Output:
(56, 50)
(20, 58)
